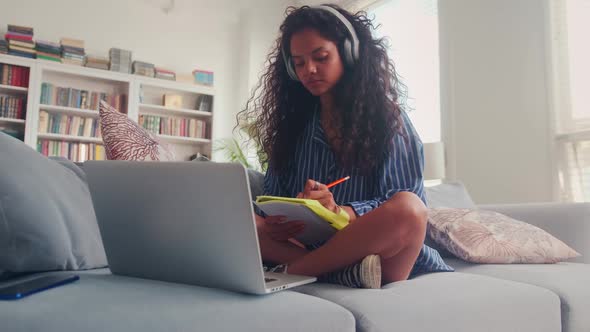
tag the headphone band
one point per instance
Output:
(347, 24)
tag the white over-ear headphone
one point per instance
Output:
(350, 47)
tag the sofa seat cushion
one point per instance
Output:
(447, 302)
(100, 301)
(568, 280)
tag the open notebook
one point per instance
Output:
(320, 223)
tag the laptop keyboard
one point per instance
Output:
(269, 279)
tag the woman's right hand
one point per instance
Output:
(278, 229)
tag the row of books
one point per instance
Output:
(144, 68)
(14, 75)
(97, 62)
(120, 60)
(165, 74)
(195, 128)
(68, 125)
(47, 50)
(83, 99)
(72, 51)
(74, 151)
(20, 41)
(13, 107)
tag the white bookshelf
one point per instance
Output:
(69, 110)
(71, 138)
(19, 126)
(144, 97)
(151, 103)
(184, 140)
(10, 120)
(163, 110)
(11, 89)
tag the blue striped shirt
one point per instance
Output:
(401, 171)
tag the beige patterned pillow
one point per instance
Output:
(481, 236)
(126, 140)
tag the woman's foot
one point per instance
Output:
(366, 274)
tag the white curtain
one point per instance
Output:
(570, 77)
(412, 29)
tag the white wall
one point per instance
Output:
(495, 109)
(204, 34)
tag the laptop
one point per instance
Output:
(184, 222)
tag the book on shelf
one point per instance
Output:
(18, 36)
(74, 151)
(22, 49)
(97, 62)
(19, 29)
(3, 46)
(165, 74)
(71, 125)
(14, 75)
(204, 103)
(83, 99)
(20, 41)
(144, 68)
(26, 45)
(48, 50)
(44, 56)
(13, 107)
(172, 100)
(120, 60)
(72, 51)
(21, 54)
(71, 42)
(204, 77)
(181, 127)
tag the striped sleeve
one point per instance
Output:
(402, 170)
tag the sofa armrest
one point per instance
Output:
(569, 222)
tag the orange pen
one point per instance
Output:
(337, 182)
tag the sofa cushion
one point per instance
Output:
(568, 280)
(105, 302)
(448, 194)
(47, 219)
(482, 236)
(447, 302)
(126, 140)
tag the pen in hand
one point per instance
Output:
(332, 184)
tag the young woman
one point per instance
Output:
(329, 106)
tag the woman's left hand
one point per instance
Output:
(318, 191)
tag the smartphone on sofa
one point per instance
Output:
(39, 284)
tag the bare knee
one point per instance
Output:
(408, 216)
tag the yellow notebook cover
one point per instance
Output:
(320, 223)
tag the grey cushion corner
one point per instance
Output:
(451, 194)
(72, 166)
(47, 219)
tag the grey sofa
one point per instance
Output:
(535, 298)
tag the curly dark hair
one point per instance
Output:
(367, 96)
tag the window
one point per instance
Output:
(412, 29)
(570, 77)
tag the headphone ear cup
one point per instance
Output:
(290, 69)
(347, 53)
